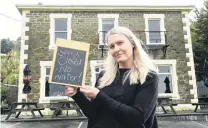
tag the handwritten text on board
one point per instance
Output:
(69, 66)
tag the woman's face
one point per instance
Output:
(120, 48)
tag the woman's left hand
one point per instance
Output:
(89, 91)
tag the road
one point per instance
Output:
(83, 124)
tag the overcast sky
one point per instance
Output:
(10, 27)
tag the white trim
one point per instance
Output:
(26, 28)
(105, 16)
(188, 63)
(26, 37)
(194, 100)
(191, 82)
(93, 64)
(43, 99)
(185, 28)
(27, 20)
(186, 37)
(23, 56)
(26, 47)
(188, 46)
(100, 16)
(52, 27)
(189, 55)
(162, 27)
(175, 94)
(60, 15)
(99, 7)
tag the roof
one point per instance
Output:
(104, 7)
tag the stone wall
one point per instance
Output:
(85, 28)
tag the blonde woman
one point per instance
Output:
(125, 94)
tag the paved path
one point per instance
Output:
(83, 124)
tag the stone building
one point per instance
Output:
(165, 30)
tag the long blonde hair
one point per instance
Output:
(141, 66)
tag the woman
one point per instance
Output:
(125, 94)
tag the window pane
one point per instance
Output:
(165, 83)
(48, 71)
(154, 31)
(155, 37)
(60, 24)
(62, 35)
(107, 24)
(164, 69)
(154, 25)
(98, 70)
(53, 89)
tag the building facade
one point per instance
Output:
(165, 30)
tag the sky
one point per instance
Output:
(10, 18)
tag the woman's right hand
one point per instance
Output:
(70, 91)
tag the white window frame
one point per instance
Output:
(160, 17)
(43, 98)
(100, 18)
(172, 64)
(52, 27)
(93, 65)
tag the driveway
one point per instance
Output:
(83, 124)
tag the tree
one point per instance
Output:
(200, 27)
(10, 68)
(199, 34)
(6, 45)
(9, 77)
(17, 44)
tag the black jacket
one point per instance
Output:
(122, 106)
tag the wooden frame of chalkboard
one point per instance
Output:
(70, 59)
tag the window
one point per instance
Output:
(165, 79)
(106, 22)
(96, 67)
(48, 91)
(60, 27)
(52, 90)
(167, 84)
(154, 28)
(154, 31)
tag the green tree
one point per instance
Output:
(17, 44)
(199, 34)
(200, 27)
(10, 68)
(6, 45)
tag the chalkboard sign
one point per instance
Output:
(69, 63)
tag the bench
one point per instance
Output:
(5, 110)
(197, 104)
(26, 106)
(72, 108)
(32, 109)
(65, 105)
(170, 105)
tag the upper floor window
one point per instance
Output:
(60, 27)
(106, 22)
(154, 28)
